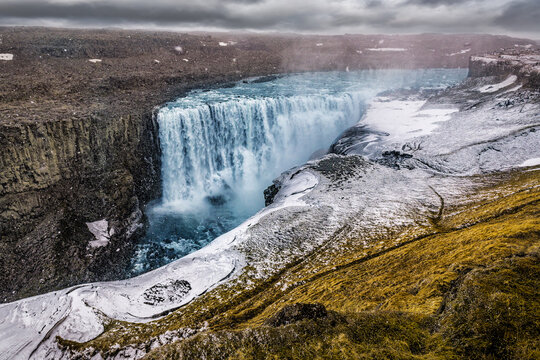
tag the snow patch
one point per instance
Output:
(186, 60)
(94, 61)
(179, 49)
(464, 51)
(528, 46)
(6, 57)
(387, 49)
(319, 44)
(293, 189)
(484, 59)
(404, 119)
(221, 43)
(496, 87)
(530, 162)
(100, 230)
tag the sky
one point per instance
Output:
(517, 18)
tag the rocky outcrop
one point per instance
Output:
(523, 63)
(297, 312)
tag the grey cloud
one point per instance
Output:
(521, 16)
(438, 2)
(285, 15)
(292, 17)
(109, 11)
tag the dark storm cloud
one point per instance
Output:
(521, 16)
(283, 15)
(109, 11)
(216, 13)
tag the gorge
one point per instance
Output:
(221, 148)
(343, 209)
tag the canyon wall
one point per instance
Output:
(57, 177)
(524, 63)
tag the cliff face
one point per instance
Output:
(523, 63)
(57, 177)
(78, 143)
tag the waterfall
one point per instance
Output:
(221, 148)
(220, 151)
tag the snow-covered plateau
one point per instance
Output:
(391, 170)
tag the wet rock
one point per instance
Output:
(270, 193)
(354, 140)
(264, 79)
(297, 312)
(216, 200)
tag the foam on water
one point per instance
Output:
(222, 148)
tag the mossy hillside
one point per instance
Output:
(416, 276)
(491, 314)
(413, 272)
(494, 312)
(380, 335)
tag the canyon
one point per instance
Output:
(79, 141)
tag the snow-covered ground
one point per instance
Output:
(496, 87)
(405, 119)
(464, 51)
(530, 162)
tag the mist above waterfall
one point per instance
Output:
(221, 148)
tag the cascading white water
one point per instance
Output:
(221, 148)
(232, 150)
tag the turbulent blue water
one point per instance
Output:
(221, 148)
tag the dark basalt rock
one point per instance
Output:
(296, 312)
(168, 292)
(270, 193)
(396, 160)
(340, 169)
(264, 79)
